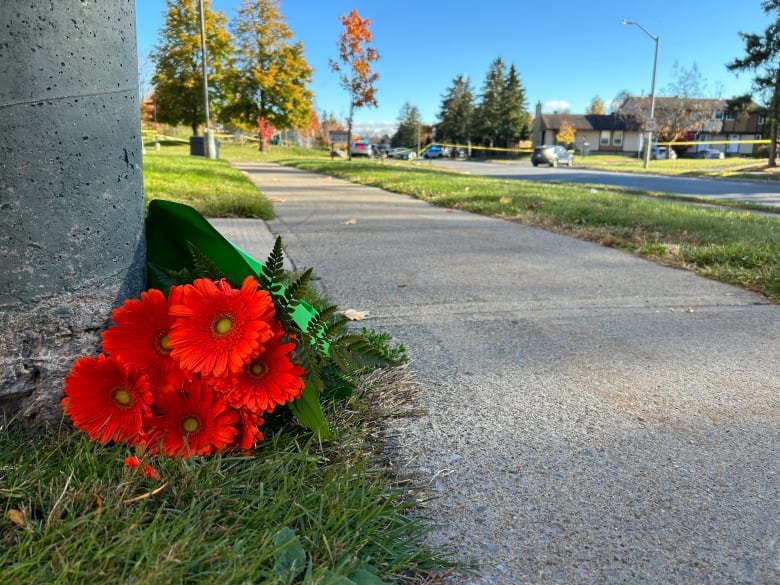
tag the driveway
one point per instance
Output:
(748, 191)
(591, 417)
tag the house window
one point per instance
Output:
(617, 138)
(718, 115)
(761, 120)
(730, 116)
(604, 138)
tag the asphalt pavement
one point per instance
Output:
(592, 417)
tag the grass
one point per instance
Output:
(298, 510)
(73, 513)
(212, 187)
(729, 242)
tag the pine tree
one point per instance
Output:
(515, 120)
(456, 115)
(271, 76)
(490, 108)
(178, 76)
(763, 53)
(408, 131)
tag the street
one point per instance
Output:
(747, 191)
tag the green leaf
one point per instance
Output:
(366, 576)
(330, 578)
(289, 555)
(308, 411)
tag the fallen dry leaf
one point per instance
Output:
(278, 200)
(354, 315)
(16, 517)
(351, 221)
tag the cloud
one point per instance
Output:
(375, 128)
(557, 106)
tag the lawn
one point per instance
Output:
(299, 509)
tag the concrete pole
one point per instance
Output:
(71, 190)
(209, 145)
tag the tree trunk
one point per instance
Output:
(773, 113)
(71, 197)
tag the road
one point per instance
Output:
(746, 191)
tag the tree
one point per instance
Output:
(354, 65)
(762, 57)
(597, 106)
(566, 134)
(490, 108)
(408, 132)
(515, 119)
(178, 74)
(456, 114)
(271, 76)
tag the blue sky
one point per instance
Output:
(566, 51)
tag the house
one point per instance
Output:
(601, 132)
(728, 125)
(710, 123)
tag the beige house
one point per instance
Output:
(708, 123)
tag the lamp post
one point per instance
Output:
(651, 120)
(209, 146)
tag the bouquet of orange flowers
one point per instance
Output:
(192, 373)
(195, 364)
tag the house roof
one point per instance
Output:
(585, 122)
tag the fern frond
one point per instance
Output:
(203, 266)
(273, 273)
(307, 358)
(168, 277)
(353, 351)
(296, 289)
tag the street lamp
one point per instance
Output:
(651, 125)
(209, 146)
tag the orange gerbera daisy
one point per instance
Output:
(270, 378)
(250, 432)
(190, 421)
(218, 328)
(140, 337)
(105, 399)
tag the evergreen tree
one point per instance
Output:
(515, 119)
(762, 57)
(490, 109)
(409, 127)
(456, 115)
(178, 75)
(271, 77)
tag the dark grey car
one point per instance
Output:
(551, 155)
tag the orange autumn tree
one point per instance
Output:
(354, 64)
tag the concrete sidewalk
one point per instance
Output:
(592, 417)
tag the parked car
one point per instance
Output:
(662, 152)
(435, 151)
(551, 155)
(709, 153)
(361, 149)
(402, 153)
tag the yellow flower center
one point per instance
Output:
(257, 369)
(223, 325)
(122, 397)
(165, 344)
(190, 424)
